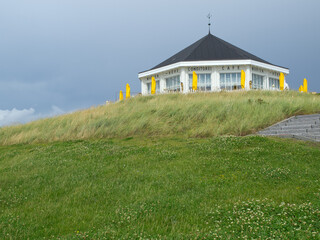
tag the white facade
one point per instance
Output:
(213, 76)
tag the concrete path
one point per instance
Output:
(304, 127)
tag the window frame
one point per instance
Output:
(205, 86)
(233, 83)
(175, 86)
(258, 81)
(275, 81)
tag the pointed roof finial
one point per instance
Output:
(209, 24)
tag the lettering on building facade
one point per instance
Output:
(223, 68)
(257, 69)
(199, 69)
(171, 72)
(155, 77)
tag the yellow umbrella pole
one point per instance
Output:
(305, 85)
(281, 81)
(153, 85)
(243, 79)
(127, 91)
(194, 81)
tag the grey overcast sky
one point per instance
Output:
(61, 55)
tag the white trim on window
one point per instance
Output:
(204, 82)
(258, 81)
(230, 81)
(274, 83)
(173, 83)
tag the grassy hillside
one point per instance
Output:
(169, 188)
(156, 168)
(192, 115)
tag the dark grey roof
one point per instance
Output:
(210, 48)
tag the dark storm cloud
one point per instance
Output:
(78, 53)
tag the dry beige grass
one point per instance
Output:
(191, 115)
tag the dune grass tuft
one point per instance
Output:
(191, 115)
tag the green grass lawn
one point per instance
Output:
(167, 188)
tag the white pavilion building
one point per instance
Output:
(218, 65)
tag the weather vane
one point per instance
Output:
(209, 24)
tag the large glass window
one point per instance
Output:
(157, 87)
(149, 87)
(257, 81)
(230, 81)
(173, 83)
(204, 82)
(274, 83)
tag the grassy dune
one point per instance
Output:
(156, 168)
(192, 115)
(171, 188)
